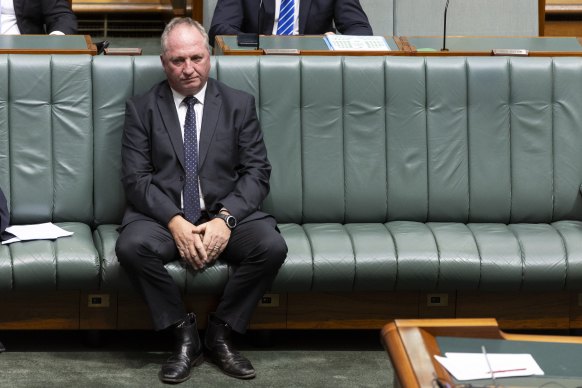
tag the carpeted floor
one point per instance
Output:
(132, 359)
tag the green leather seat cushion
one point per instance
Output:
(67, 263)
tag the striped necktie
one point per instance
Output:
(192, 210)
(286, 17)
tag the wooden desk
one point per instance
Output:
(410, 46)
(295, 45)
(47, 44)
(483, 46)
(412, 344)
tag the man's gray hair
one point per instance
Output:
(178, 21)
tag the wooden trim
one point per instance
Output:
(563, 9)
(106, 6)
(411, 345)
(198, 10)
(541, 17)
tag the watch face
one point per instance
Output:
(230, 221)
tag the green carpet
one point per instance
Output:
(132, 359)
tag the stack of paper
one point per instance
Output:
(46, 231)
(477, 366)
(356, 43)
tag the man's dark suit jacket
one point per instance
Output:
(233, 167)
(316, 17)
(33, 15)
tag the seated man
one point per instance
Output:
(53, 17)
(195, 172)
(315, 17)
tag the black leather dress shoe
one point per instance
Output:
(221, 352)
(188, 352)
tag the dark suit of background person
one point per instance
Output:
(234, 176)
(4, 222)
(33, 15)
(316, 17)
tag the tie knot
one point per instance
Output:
(190, 101)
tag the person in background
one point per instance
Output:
(195, 172)
(4, 222)
(53, 17)
(304, 17)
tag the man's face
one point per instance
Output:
(186, 61)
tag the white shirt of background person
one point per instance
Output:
(8, 24)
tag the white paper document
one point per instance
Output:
(356, 43)
(46, 231)
(475, 366)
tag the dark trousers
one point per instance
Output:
(255, 251)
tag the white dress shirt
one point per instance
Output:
(8, 18)
(182, 108)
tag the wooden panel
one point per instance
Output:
(433, 310)
(132, 313)
(109, 6)
(35, 310)
(576, 310)
(98, 311)
(560, 2)
(543, 310)
(201, 305)
(349, 310)
(271, 315)
(563, 28)
(541, 17)
(197, 11)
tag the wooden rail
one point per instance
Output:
(563, 17)
(193, 8)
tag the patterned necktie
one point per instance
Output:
(286, 17)
(191, 192)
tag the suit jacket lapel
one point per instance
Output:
(212, 106)
(304, 9)
(18, 8)
(170, 118)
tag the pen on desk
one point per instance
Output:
(489, 365)
(493, 372)
(487, 359)
(507, 370)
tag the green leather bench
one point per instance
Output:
(404, 187)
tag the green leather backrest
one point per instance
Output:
(375, 139)
(46, 137)
(115, 79)
(354, 139)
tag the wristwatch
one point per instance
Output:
(228, 219)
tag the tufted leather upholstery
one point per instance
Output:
(389, 173)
